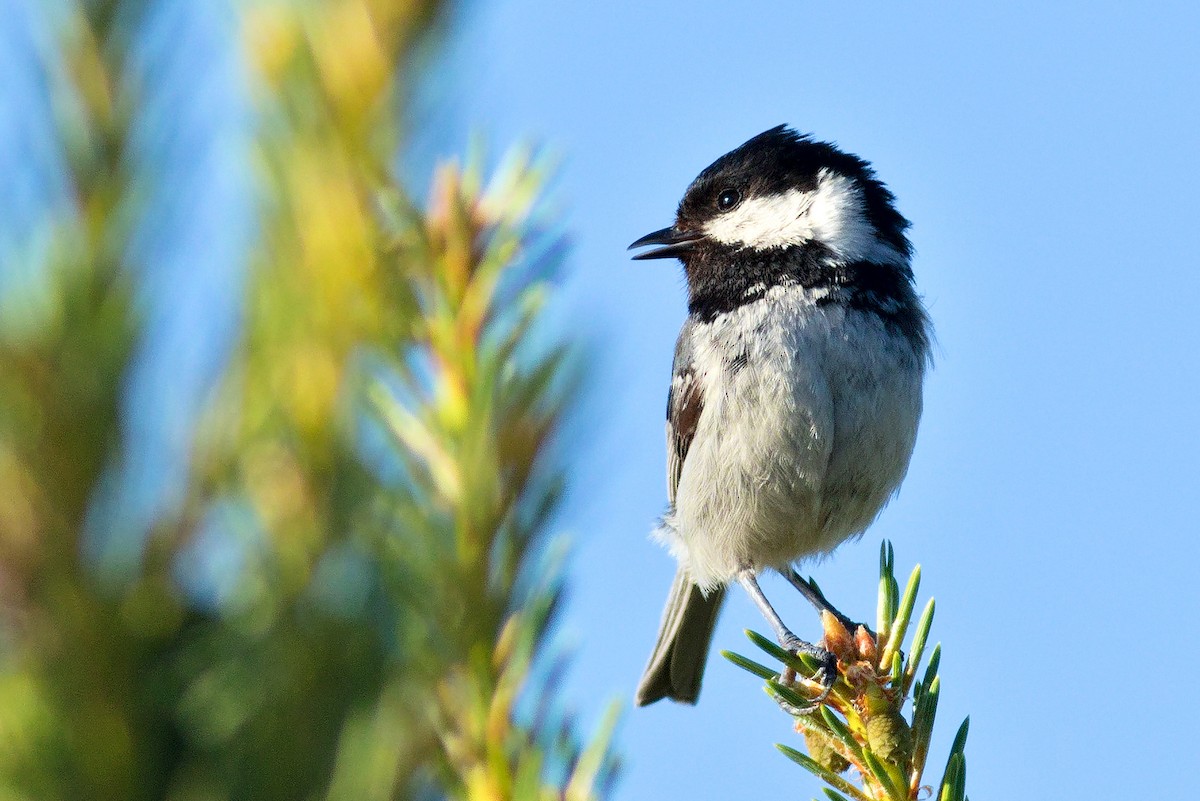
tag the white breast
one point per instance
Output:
(799, 448)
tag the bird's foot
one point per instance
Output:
(825, 677)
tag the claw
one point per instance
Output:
(826, 677)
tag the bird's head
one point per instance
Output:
(783, 192)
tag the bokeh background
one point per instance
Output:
(1046, 156)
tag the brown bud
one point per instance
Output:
(864, 643)
(837, 639)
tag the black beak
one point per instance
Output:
(676, 243)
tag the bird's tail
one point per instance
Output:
(677, 664)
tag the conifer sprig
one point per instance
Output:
(861, 725)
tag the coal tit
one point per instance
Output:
(797, 381)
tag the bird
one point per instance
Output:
(796, 389)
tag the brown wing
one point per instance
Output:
(685, 402)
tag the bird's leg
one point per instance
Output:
(826, 675)
(818, 600)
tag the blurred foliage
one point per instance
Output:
(861, 724)
(373, 480)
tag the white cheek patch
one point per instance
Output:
(832, 214)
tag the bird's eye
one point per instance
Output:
(728, 199)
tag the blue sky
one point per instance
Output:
(1047, 156)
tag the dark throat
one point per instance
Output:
(722, 279)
